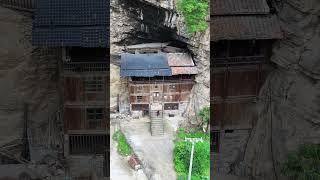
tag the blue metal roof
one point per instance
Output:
(144, 65)
(72, 23)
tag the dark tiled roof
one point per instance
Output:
(67, 37)
(238, 7)
(144, 65)
(71, 23)
(245, 27)
(72, 13)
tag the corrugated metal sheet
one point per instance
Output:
(148, 45)
(144, 65)
(82, 23)
(245, 27)
(237, 7)
(180, 59)
(184, 70)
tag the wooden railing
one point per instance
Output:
(24, 5)
(239, 60)
(85, 66)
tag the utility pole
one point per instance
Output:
(193, 141)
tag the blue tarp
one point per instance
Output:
(144, 65)
(71, 23)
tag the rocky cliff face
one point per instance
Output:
(27, 75)
(289, 110)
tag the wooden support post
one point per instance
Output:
(26, 152)
(66, 145)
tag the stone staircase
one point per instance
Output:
(157, 124)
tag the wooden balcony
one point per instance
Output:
(78, 67)
(239, 60)
(22, 5)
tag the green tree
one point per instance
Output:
(304, 164)
(201, 158)
(195, 13)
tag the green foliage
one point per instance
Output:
(201, 158)
(304, 164)
(195, 13)
(116, 135)
(123, 147)
(182, 133)
(184, 177)
(204, 114)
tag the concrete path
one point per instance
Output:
(156, 153)
(119, 167)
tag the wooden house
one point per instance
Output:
(160, 79)
(242, 34)
(80, 32)
(85, 97)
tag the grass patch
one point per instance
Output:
(123, 148)
(201, 157)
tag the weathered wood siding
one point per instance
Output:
(168, 92)
(76, 119)
(234, 95)
(236, 115)
(74, 91)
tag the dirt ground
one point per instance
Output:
(155, 152)
(119, 167)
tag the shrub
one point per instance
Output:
(304, 164)
(182, 133)
(204, 115)
(195, 13)
(201, 157)
(123, 147)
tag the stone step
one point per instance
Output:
(157, 125)
(157, 133)
(157, 122)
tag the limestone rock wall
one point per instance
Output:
(289, 112)
(27, 75)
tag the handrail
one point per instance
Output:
(239, 59)
(24, 5)
(85, 66)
